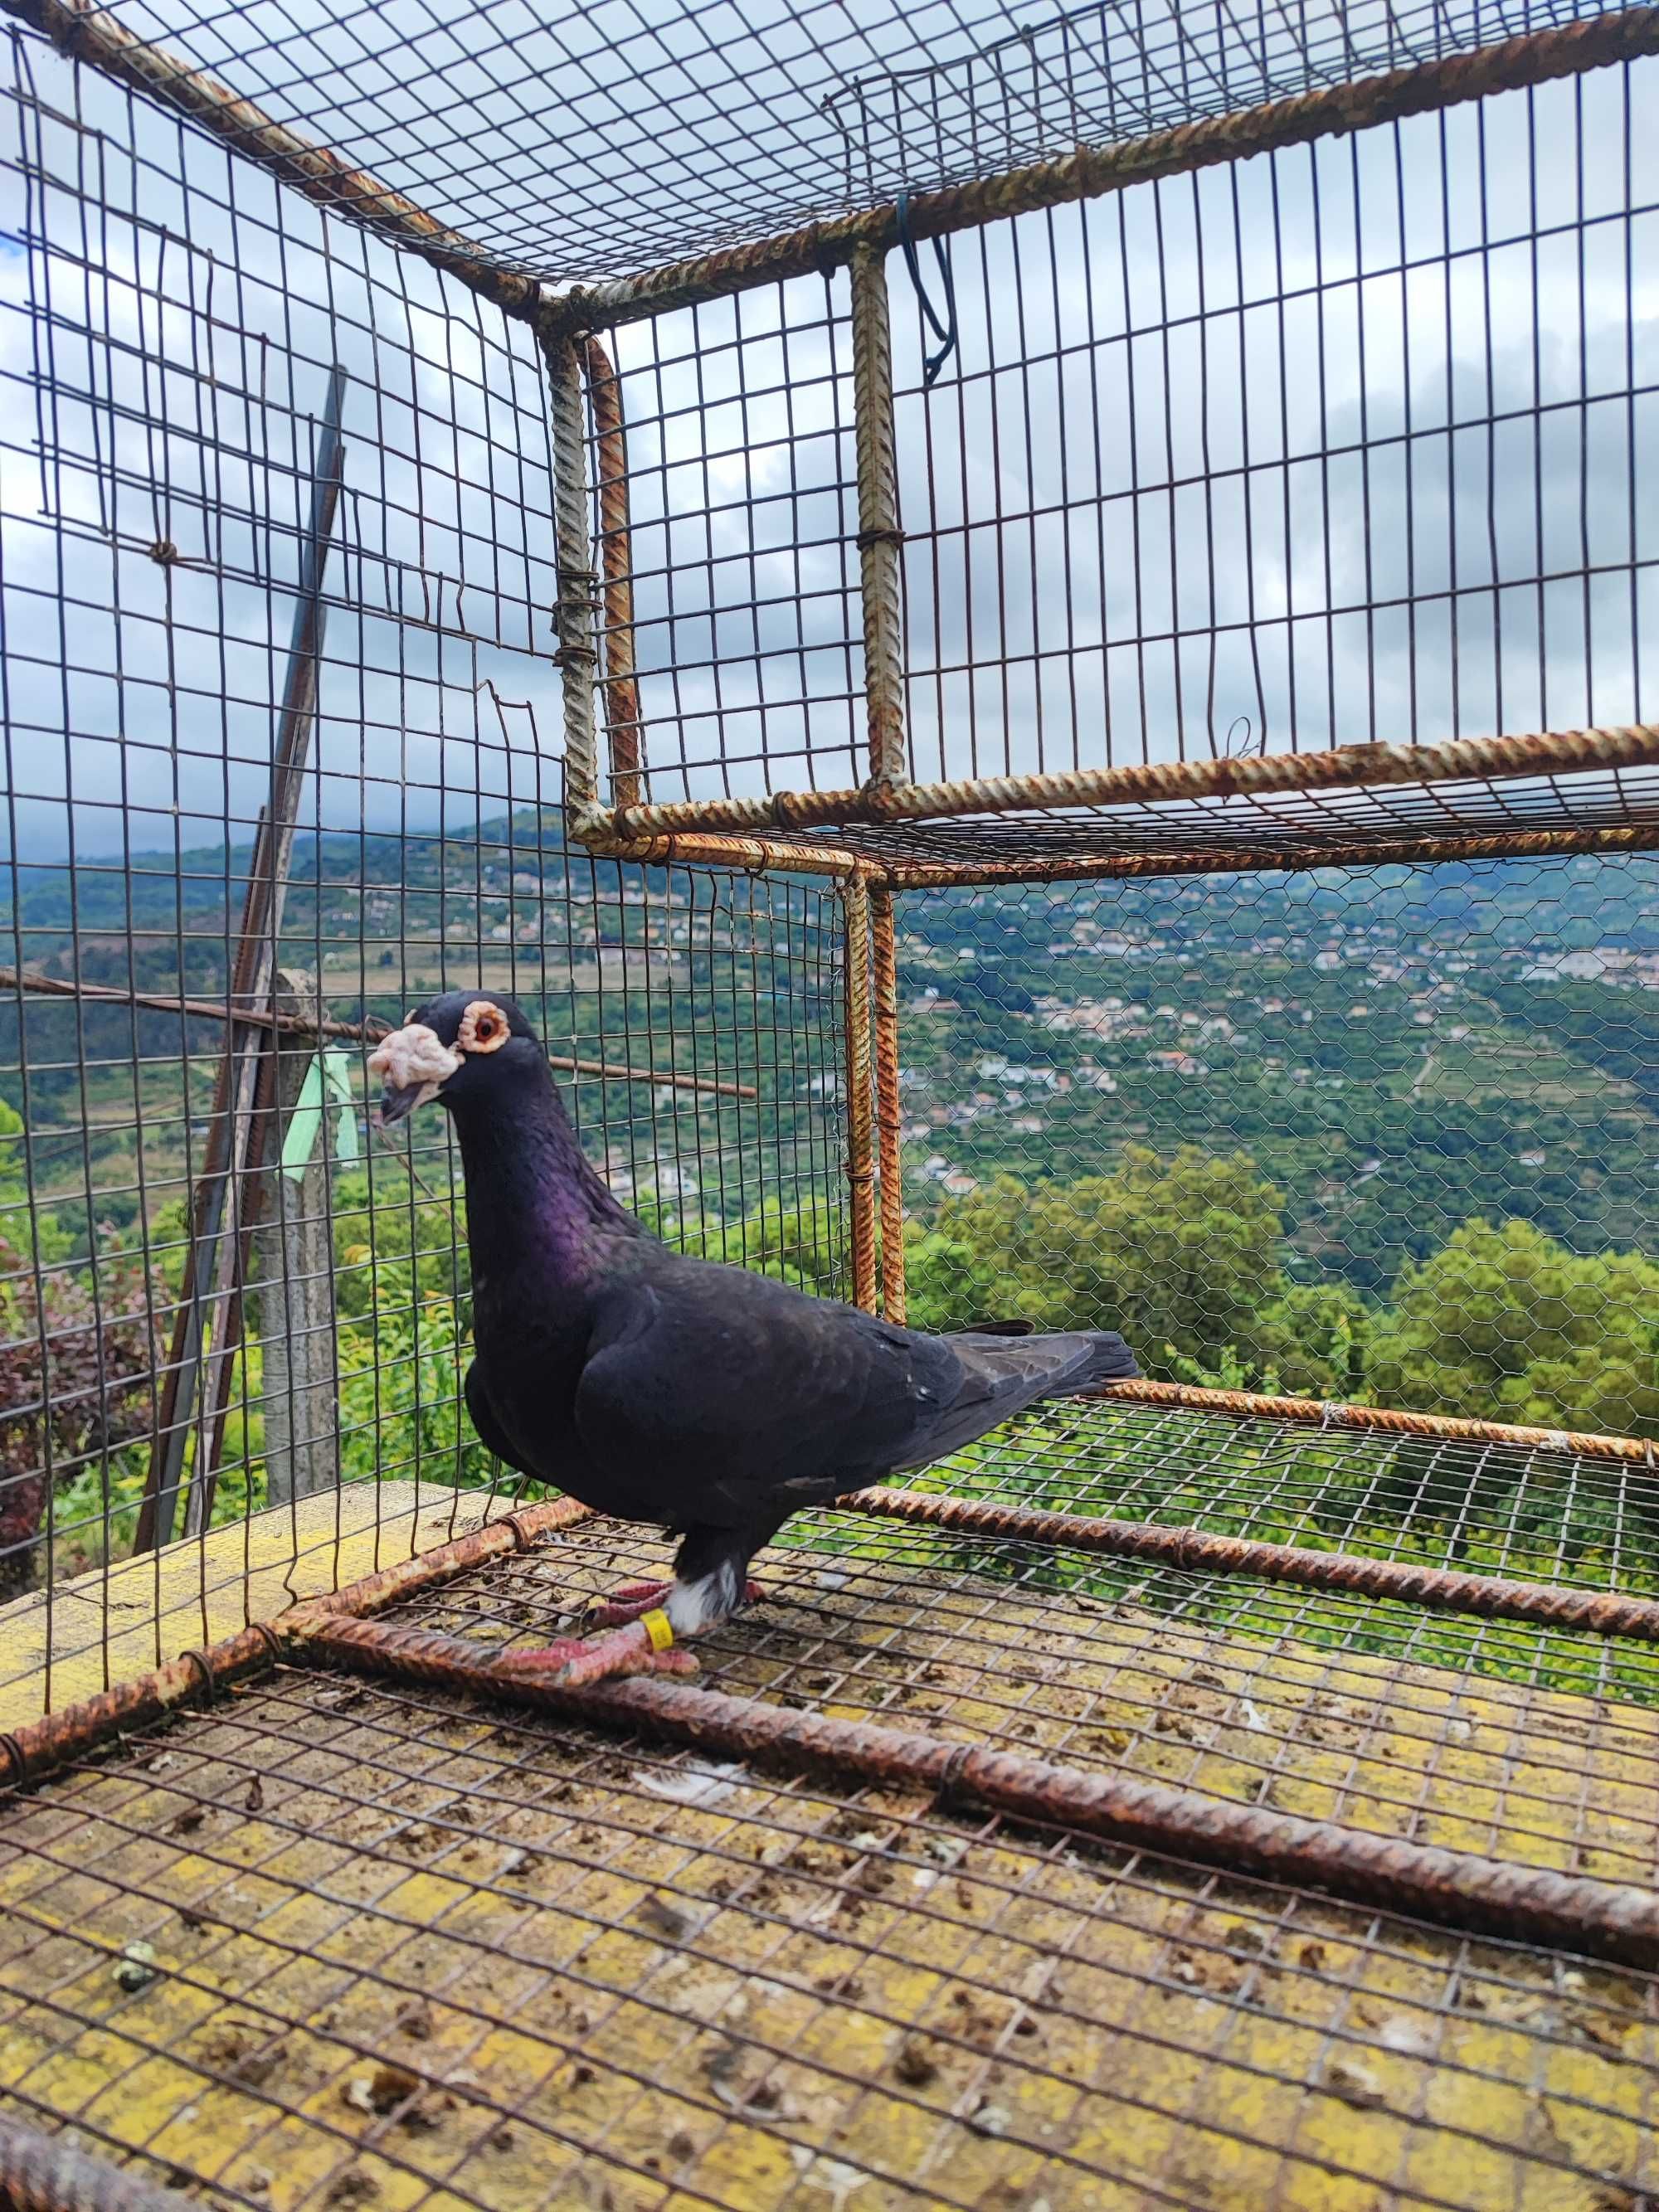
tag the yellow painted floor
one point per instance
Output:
(410, 1951)
(110, 1625)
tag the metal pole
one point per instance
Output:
(884, 973)
(210, 1306)
(577, 656)
(879, 535)
(860, 1168)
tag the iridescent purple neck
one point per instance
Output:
(536, 1210)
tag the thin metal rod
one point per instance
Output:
(1583, 1444)
(577, 656)
(860, 1151)
(87, 32)
(209, 1305)
(1339, 767)
(1196, 1551)
(619, 683)
(1326, 111)
(878, 522)
(41, 2172)
(365, 1032)
(1519, 1903)
(883, 968)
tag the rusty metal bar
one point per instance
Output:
(87, 32)
(31, 1750)
(618, 683)
(1326, 111)
(1520, 1903)
(364, 1032)
(860, 1151)
(41, 2172)
(1586, 1443)
(577, 656)
(879, 536)
(512, 1532)
(1257, 860)
(1341, 768)
(753, 855)
(1196, 1551)
(886, 1033)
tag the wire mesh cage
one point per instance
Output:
(1027, 644)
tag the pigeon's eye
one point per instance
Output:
(484, 1028)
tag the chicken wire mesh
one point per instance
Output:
(210, 1308)
(1367, 1132)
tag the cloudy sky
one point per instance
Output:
(1356, 442)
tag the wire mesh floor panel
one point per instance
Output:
(885, 1628)
(408, 1951)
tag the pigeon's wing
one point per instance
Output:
(484, 1419)
(748, 1397)
(739, 1396)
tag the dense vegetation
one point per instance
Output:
(1374, 1137)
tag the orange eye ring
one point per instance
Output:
(484, 1028)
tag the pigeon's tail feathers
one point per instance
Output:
(1113, 1362)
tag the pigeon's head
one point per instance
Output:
(463, 1045)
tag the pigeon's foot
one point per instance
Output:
(634, 1599)
(645, 1646)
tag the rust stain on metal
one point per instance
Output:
(1584, 1444)
(621, 688)
(886, 1033)
(96, 35)
(1592, 1612)
(860, 1132)
(1463, 1889)
(48, 1741)
(1338, 768)
(1327, 111)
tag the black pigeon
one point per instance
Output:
(669, 1389)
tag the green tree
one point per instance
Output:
(1181, 1256)
(1503, 1321)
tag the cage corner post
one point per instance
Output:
(578, 651)
(860, 1135)
(880, 585)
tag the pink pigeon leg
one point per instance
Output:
(634, 1599)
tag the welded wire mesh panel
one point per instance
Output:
(433, 1952)
(739, 481)
(1343, 444)
(277, 550)
(575, 142)
(1381, 1134)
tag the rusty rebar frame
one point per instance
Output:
(1090, 172)
(1338, 768)
(1197, 1551)
(857, 1060)
(1462, 1889)
(883, 965)
(86, 32)
(1611, 1919)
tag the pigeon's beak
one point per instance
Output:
(400, 1100)
(414, 1064)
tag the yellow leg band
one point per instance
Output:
(657, 1627)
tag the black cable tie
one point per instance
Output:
(944, 330)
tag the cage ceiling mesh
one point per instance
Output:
(574, 142)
